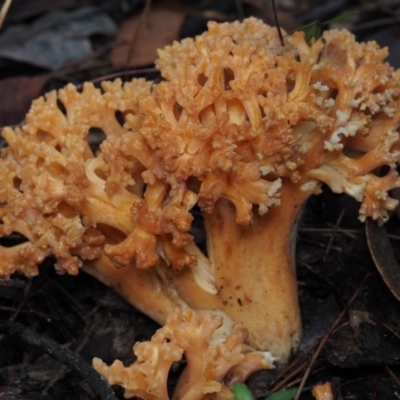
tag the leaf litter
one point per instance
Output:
(55, 39)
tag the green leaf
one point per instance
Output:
(340, 17)
(288, 394)
(314, 29)
(241, 392)
(302, 28)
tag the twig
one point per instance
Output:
(11, 309)
(278, 27)
(287, 378)
(69, 296)
(376, 23)
(374, 391)
(394, 377)
(351, 233)
(313, 271)
(376, 6)
(4, 11)
(25, 298)
(62, 354)
(61, 372)
(386, 326)
(239, 9)
(325, 338)
(313, 372)
(118, 74)
(332, 237)
(319, 244)
(282, 375)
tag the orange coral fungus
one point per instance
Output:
(210, 367)
(323, 391)
(240, 125)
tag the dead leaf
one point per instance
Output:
(22, 9)
(56, 39)
(11, 392)
(160, 28)
(368, 344)
(17, 94)
(382, 254)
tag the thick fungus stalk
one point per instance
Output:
(240, 126)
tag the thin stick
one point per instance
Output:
(394, 377)
(239, 10)
(4, 11)
(62, 354)
(61, 372)
(277, 23)
(288, 377)
(351, 233)
(332, 237)
(313, 372)
(325, 338)
(23, 301)
(386, 326)
(118, 74)
(289, 371)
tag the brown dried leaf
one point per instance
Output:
(17, 94)
(160, 27)
(382, 254)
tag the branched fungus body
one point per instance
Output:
(240, 125)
